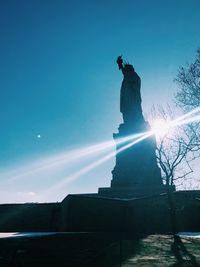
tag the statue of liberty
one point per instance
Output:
(130, 97)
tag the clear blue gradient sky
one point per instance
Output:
(59, 79)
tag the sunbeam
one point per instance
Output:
(187, 121)
(196, 110)
(56, 161)
(67, 157)
(161, 127)
(93, 165)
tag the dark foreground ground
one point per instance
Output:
(99, 249)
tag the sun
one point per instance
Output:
(160, 127)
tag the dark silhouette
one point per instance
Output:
(136, 173)
(184, 258)
(130, 98)
(120, 62)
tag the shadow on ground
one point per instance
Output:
(182, 255)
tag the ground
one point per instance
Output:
(161, 250)
(99, 249)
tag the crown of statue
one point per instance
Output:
(128, 67)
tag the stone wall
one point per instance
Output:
(92, 213)
(152, 214)
(29, 217)
(145, 215)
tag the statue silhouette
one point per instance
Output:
(130, 97)
(136, 173)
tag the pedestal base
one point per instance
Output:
(133, 192)
(136, 166)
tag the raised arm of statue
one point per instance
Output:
(120, 63)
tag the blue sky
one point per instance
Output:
(59, 79)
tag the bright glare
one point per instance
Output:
(190, 120)
(93, 165)
(62, 159)
(57, 161)
(160, 128)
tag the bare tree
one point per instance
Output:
(174, 155)
(174, 149)
(188, 78)
(188, 98)
(179, 146)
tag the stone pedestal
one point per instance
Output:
(132, 192)
(136, 173)
(137, 165)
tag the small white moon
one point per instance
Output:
(38, 136)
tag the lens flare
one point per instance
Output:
(65, 158)
(187, 121)
(93, 165)
(161, 127)
(188, 114)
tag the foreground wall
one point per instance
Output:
(29, 217)
(145, 215)
(92, 213)
(152, 214)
